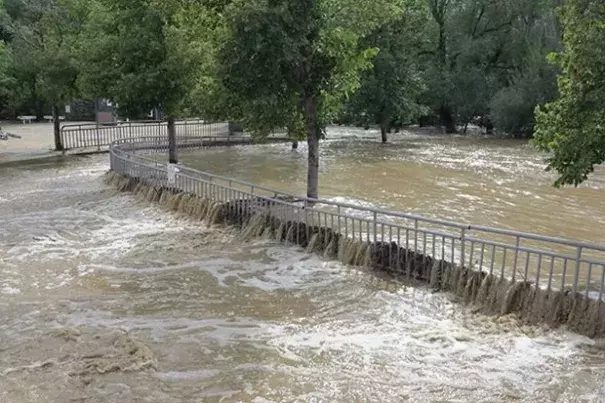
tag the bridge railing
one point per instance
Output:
(93, 136)
(548, 262)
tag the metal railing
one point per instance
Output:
(548, 262)
(93, 136)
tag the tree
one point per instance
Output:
(289, 63)
(139, 54)
(480, 47)
(6, 80)
(572, 128)
(439, 11)
(43, 36)
(60, 26)
(530, 79)
(390, 90)
(512, 108)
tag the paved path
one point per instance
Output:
(36, 142)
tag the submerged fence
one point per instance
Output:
(547, 262)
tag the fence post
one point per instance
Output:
(462, 247)
(63, 143)
(375, 228)
(576, 275)
(517, 243)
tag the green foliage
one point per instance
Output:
(40, 63)
(7, 81)
(390, 91)
(572, 128)
(141, 54)
(479, 49)
(512, 107)
(277, 52)
(254, 61)
(289, 63)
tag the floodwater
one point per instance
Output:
(106, 298)
(481, 181)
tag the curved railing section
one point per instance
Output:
(548, 262)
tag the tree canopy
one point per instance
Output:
(572, 128)
(303, 64)
(288, 63)
(389, 62)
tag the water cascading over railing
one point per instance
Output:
(547, 279)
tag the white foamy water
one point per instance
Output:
(106, 298)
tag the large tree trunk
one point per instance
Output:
(383, 133)
(172, 157)
(439, 10)
(40, 111)
(489, 127)
(442, 45)
(57, 129)
(447, 119)
(310, 113)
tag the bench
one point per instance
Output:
(49, 118)
(26, 119)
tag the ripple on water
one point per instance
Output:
(243, 322)
(358, 338)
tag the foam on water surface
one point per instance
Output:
(211, 318)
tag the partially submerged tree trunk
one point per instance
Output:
(310, 113)
(172, 157)
(383, 133)
(447, 119)
(489, 127)
(439, 9)
(292, 135)
(57, 129)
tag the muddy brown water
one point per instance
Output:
(106, 298)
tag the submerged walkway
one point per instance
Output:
(543, 279)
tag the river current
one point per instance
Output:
(107, 298)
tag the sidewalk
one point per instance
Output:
(36, 142)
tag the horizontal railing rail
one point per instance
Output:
(99, 136)
(548, 262)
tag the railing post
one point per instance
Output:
(462, 246)
(375, 228)
(517, 243)
(576, 275)
(63, 145)
(306, 208)
(416, 235)
(98, 136)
